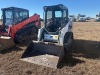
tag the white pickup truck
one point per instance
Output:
(98, 17)
(82, 18)
(72, 17)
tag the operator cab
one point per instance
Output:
(55, 17)
(13, 15)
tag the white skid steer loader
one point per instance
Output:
(53, 39)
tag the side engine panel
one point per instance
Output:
(64, 31)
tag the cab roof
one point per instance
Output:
(55, 7)
(13, 8)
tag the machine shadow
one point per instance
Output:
(70, 61)
(15, 48)
(81, 48)
(86, 48)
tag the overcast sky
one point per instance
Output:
(87, 7)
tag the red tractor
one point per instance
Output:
(17, 26)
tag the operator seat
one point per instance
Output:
(52, 25)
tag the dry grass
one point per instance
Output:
(84, 57)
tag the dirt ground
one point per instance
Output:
(84, 57)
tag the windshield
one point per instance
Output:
(8, 17)
(51, 15)
(53, 20)
(20, 15)
(58, 14)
